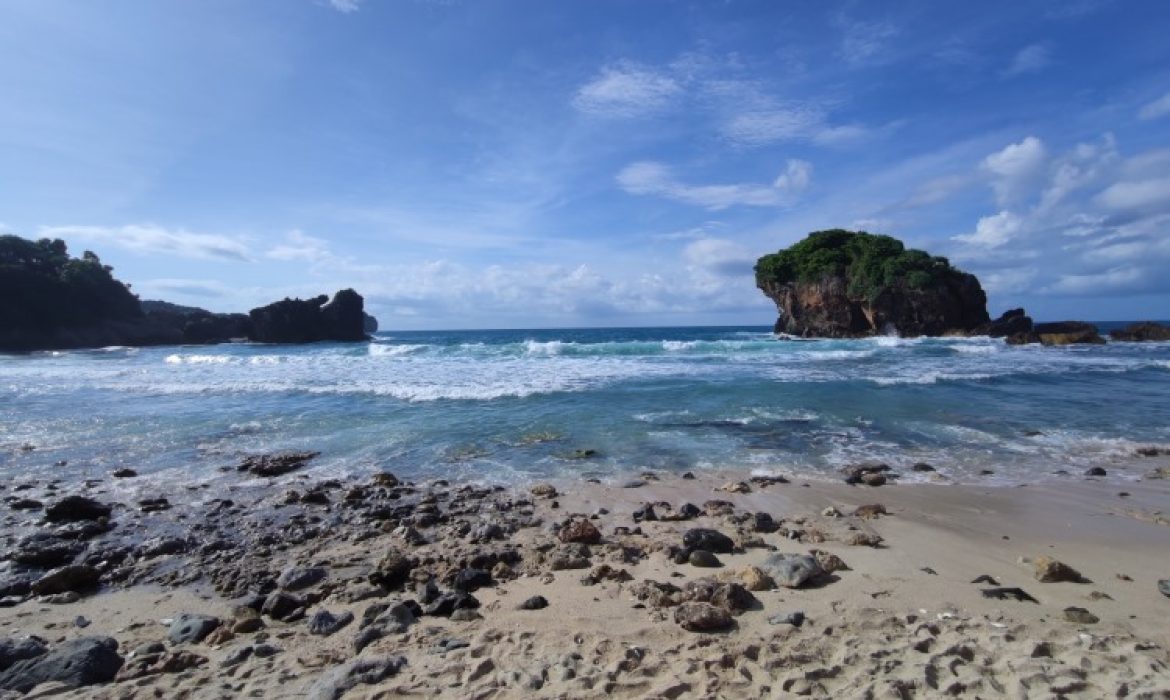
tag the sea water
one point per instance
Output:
(509, 406)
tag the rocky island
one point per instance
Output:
(845, 284)
(52, 300)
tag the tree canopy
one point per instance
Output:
(871, 263)
(43, 287)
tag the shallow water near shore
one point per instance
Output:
(509, 406)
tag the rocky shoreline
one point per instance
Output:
(670, 587)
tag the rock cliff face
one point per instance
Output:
(310, 320)
(197, 326)
(842, 284)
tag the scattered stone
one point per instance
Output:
(324, 623)
(736, 487)
(1095, 471)
(73, 509)
(633, 484)
(12, 651)
(702, 617)
(26, 504)
(191, 628)
(829, 562)
(75, 663)
(580, 531)
(831, 512)
(1006, 593)
(754, 579)
(859, 538)
(922, 467)
(709, 540)
(280, 605)
(792, 570)
(645, 513)
(66, 598)
(369, 671)
(544, 491)
(276, 464)
(448, 603)
(870, 511)
(393, 571)
(298, 578)
(75, 578)
(985, 578)
(536, 602)
(1049, 570)
(124, 473)
(1080, 616)
(154, 505)
(42, 550)
(465, 615)
(1164, 587)
(704, 559)
(237, 656)
(796, 619)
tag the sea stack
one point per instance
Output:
(846, 284)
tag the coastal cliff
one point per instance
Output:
(845, 284)
(50, 300)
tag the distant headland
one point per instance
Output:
(50, 300)
(854, 284)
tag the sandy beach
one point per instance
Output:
(568, 610)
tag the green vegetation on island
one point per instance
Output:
(872, 263)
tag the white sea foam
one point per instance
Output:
(383, 350)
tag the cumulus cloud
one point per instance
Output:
(1030, 59)
(1015, 168)
(156, 240)
(651, 178)
(626, 90)
(993, 231)
(1156, 109)
(1096, 218)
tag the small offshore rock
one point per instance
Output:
(544, 491)
(124, 473)
(536, 602)
(702, 617)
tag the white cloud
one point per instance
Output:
(151, 239)
(626, 90)
(865, 42)
(993, 231)
(937, 189)
(651, 178)
(1030, 59)
(1158, 108)
(1010, 280)
(1137, 196)
(298, 246)
(1126, 278)
(720, 256)
(1015, 168)
(346, 6)
(764, 127)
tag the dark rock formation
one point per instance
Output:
(1141, 332)
(369, 324)
(842, 284)
(75, 663)
(1012, 322)
(197, 326)
(311, 320)
(1059, 333)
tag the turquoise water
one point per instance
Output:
(515, 405)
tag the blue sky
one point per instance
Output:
(536, 163)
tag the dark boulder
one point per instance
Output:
(311, 320)
(77, 577)
(1142, 332)
(76, 663)
(276, 464)
(708, 540)
(191, 628)
(76, 508)
(1011, 322)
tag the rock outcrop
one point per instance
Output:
(50, 300)
(842, 284)
(1058, 333)
(310, 320)
(1142, 332)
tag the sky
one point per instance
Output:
(529, 163)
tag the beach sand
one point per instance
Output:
(905, 620)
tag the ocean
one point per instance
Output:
(514, 405)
